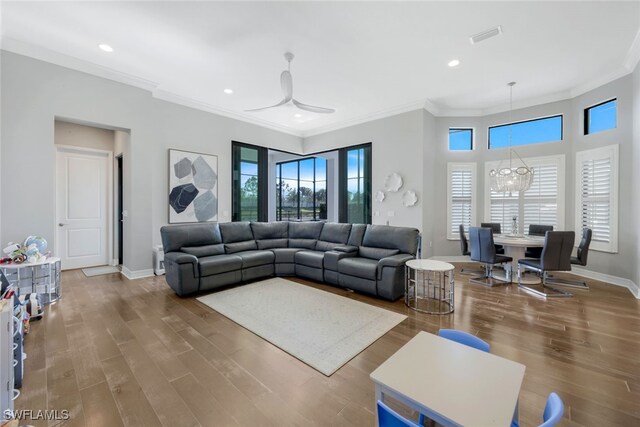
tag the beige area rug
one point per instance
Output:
(321, 329)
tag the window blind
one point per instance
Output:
(461, 197)
(541, 200)
(595, 204)
(504, 206)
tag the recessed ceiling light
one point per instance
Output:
(105, 47)
(453, 63)
(228, 91)
(297, 116)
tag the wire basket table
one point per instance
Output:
(429, 286)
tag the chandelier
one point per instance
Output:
(510, 179)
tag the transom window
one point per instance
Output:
(600, 117)
(460, 139)
(547, 129)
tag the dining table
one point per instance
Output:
(451, 383)
(514, 247)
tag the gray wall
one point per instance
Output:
(635, 195)
(34, 93)
(66, 133)
(397, 146)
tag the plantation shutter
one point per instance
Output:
(541, 200)
(595, 188)
(461, 189)
(504, 206)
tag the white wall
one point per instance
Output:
(35, 93)
(397, 146)
(66, 133)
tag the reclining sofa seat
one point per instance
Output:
(378, 266)
(201, 257)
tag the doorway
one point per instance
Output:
(119, 209)
(83, 206)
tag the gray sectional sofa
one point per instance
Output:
(365, 258)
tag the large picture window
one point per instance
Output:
(355, 184)
(249, 182)
(535, 131)
(461, 194)
(542, 204)
(301, 190)
(597, 196)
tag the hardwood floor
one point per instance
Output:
(118, 352)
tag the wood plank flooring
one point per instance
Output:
(117, 352)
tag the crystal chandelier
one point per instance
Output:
(507, 180)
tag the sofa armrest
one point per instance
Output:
(331, 258)
(180, 258)
(346, 249)
(395, 260)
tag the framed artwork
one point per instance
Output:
(193, 187)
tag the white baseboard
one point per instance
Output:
(578, 271)
(138, 274)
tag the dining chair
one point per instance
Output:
(580, 259)
(464, 248)
(536, 230)
(483, 250)
(465, 338)
(553, 411)
(556, 256)
(497, 229)
(387, 417)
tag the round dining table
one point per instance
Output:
(514, 246)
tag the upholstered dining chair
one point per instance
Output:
(497, 229)
(580, 259)
(464, 248)
(536, 230)
(483, 250)
(556, 256)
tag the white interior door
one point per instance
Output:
(83, 198)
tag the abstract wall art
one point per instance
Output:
(193, 187)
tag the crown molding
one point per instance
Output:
(633, 55)
(381, 114)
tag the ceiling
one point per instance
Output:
(364, 59)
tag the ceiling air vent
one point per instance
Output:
(477, 38)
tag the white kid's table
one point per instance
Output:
(450, 383)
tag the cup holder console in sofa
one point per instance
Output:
(365, 258)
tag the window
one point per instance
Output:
(301, 190)
(461, 194)
(355, 184)
(542, 204)
(600, 117)
(597, 196)
(249, 182)
(460, 139)
(528, 132)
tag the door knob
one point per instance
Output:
(62, 224)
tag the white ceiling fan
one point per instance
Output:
(286, 82)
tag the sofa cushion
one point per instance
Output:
(376, 253)
(270, 230)
(303, 243)
(356, 235)
(249, 245)
(255, 258)
(305, 230)
(218, 264)
(310, 258)
(176, 236)
(202, 251)
(285, 255)
(359, 267)
(385, 236)
(272, 243)
(232, 232)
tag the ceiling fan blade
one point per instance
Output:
(313, 109)
(286, 82)
(284, 101)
